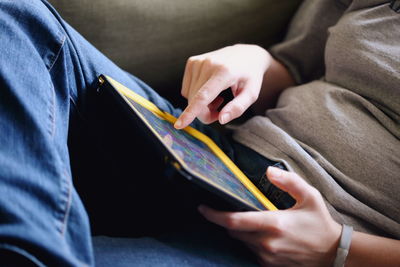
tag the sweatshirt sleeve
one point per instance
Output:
(302, 50)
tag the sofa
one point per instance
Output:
(153, 38)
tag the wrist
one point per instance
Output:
(276, 79)
(344, 246)
(333, 240)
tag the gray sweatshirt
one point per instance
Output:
(340, 127)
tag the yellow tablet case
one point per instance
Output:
(179, 164)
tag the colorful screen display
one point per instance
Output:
(198, 157)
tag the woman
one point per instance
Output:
(331, 90)
(339, 129)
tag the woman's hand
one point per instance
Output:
(303, 235)
(239, 67)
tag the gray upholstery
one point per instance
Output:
(153, 38)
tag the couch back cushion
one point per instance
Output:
(153, 38)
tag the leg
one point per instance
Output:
(201, 246)
(42, 218)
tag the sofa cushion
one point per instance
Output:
(153, 38)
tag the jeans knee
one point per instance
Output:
(29, 25)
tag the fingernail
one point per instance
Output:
(178, 124)
(225, 118)
(274, 172)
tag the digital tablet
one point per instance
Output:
(189, 151)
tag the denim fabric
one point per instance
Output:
(47, 72)
(41, 214)
(203, 245)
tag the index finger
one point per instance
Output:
(206, 94)
(248, 221)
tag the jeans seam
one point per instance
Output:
(67, 207)
(56, 56)
(52, 113)
(67, 37)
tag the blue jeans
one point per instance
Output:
(47, 74)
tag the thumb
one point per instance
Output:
(289, 182)
(241, 102)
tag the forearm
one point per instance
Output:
(276, 79)
(369, 250)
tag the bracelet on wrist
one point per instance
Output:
(344, 246)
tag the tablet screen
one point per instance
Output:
(197, 157)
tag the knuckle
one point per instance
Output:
(223, 69)
(208, 62)
(314, 194)
(253, 96)
(232, 222)
(268, 246)
(238, 109)
(277, 227)
(202, 95)
(189, 113)
(191, 59)
(224, 77)
(291, 183)
(191, 94)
